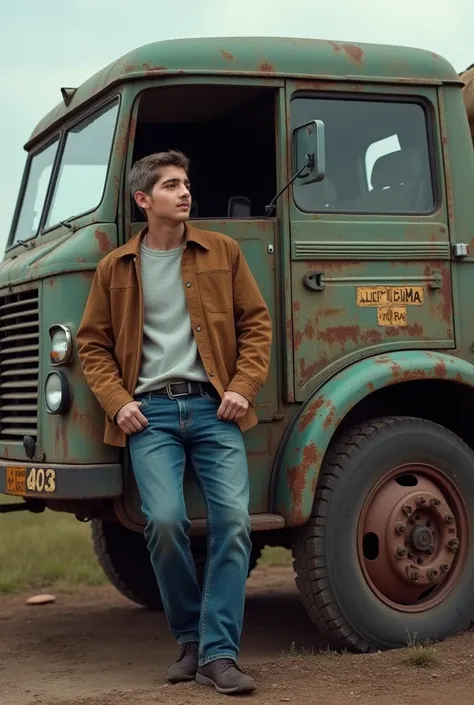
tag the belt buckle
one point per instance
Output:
(175, 396)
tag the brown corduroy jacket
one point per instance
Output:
(230, 322)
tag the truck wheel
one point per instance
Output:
(123, 556)
(388, 553)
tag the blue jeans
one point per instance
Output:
(180, 430)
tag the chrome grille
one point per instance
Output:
(19, 365)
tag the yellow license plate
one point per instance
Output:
(16, 480)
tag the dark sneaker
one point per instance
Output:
(185, 666)
(225, 676)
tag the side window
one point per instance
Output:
(377, 157)
(83, 168)
(40, 167)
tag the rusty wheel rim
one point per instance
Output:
(412, 537)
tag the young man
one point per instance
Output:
(175, 344)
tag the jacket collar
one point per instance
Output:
(132, 248)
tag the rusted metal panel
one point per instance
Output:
(314, 425)
(264, 56)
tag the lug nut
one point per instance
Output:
(429, 550)
(449, 518)
(401, 552)
(420, 501)
(432, 573)
(400, 528)
(413, 573)
(444, 567)
(453, 545)
(407, 510)
(435, 502)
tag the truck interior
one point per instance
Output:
(228, 132)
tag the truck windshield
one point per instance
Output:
(83, 168)
(39, 173)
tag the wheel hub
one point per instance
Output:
(410, 537)
(421, 537)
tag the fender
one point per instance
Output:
(311, 430)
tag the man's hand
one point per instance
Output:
(130, 419)
(233, 407)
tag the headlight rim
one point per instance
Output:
(66, 396)
(69, 341)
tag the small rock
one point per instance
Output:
(41, 600)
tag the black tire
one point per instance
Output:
(335, 592)
(123, 556)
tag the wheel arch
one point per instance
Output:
(394, 383)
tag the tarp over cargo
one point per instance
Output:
(468, 94)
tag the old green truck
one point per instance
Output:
(345, 172)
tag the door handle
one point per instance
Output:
(314, 281)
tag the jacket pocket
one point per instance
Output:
(215, 287)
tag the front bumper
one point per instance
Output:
(60, 481)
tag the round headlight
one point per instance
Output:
(57, 394)
(61, 344)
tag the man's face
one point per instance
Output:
(170, 198)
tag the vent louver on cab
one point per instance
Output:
(19, 365)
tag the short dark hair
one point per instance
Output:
(145, 172)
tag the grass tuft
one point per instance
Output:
(420, 655)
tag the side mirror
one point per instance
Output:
(309, 152)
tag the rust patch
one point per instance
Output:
(86, 426)
(340, 334)
(60, 439)
(105, 245)
(310, 413)
(265, 67)
(297, 339)
(307, 372)
(354, 52)
(296, 306)
(371, 387)
(133, 129)
(149, 68)
(392, 332)
(52, 282)
(415, 330)
(371, 337)
(309, 331)
(446, 305)
(336, 47)
(330, 417)
(440, 369)
(227, 55)
(332, 311)
(297, 480)
(129, 68)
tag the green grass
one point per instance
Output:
(420, 655)
(54, 550)
(45, 550)
(275, 556)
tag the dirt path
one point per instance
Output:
(95, 648)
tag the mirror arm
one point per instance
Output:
(272, 205)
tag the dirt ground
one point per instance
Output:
(93, 647)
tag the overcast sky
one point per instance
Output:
(48, 44)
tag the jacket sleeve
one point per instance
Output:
(253, 329)
(95, 343)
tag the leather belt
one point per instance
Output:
(184, 389)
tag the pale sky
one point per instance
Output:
(48, 44)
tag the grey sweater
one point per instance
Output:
(169, 349)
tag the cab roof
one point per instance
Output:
(259, 56)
